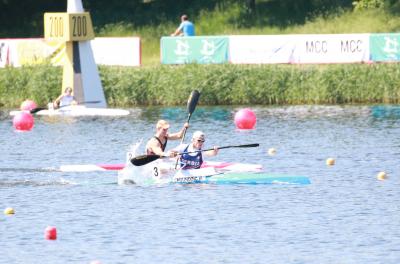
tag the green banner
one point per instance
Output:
(385, 47)
(202, 50)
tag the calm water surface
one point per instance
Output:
(344, 216)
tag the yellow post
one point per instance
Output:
(80, 70)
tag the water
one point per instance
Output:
(344, 216)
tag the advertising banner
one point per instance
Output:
(385, 47)
(322, 48)
(18, 52)
(30, 51)
(4, 54)
(202, 50)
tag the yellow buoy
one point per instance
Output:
(382, 176)
(271, 151)
(9, 211)
(330, 161)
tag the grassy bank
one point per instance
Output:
(219, 84)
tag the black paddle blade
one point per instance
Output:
(192, 101)
(249, 146)
(144, 159)
(37, 109)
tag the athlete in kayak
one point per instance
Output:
(64, 99)
(157, 144)
(194, 160)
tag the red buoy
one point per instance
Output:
(50, 233)
(23, 121)
(28, 105)
(245, 119)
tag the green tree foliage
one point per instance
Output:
(17, 20)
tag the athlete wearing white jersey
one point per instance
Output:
(65, 99)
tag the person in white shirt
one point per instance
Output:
(64, 99)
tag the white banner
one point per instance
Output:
(106, 51)
(117, 51)
(261, 49)
(322, 48)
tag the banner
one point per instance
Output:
(117, 51)
(385, 47)
(261, 49)
(106, 51)
(332, 48)
(202, 50)
(322, 48)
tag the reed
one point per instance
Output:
(219, 84)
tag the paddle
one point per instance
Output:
(37, 109)
(145, 159)
(191, 105)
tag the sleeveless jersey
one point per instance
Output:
(191, 161)
(66, 100)
(163, 146)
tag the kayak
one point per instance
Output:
(244, 178)
(223, 166)
(79, 110)
(163, 173)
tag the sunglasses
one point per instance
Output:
(199, 140)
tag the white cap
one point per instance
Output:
(198, 135)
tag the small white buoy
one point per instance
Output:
(382, 176)
(271, 151)
(330, 161)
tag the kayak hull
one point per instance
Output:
(79, 110)
(244, 178)
(157, 174)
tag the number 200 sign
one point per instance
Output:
(68, 26)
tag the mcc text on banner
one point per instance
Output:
(385, 47)
(332, 48)
(202, 50)
(318, 48)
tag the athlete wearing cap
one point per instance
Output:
(194, 160)
(157, 144)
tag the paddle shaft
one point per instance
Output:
(145, 159)
(225, 147)
(185, 129)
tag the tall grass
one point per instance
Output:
(220, 84)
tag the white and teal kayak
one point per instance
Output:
(162, 173)
(241, 178)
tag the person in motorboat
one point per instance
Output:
(64, 99)
(194, 159)
(157, 144)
